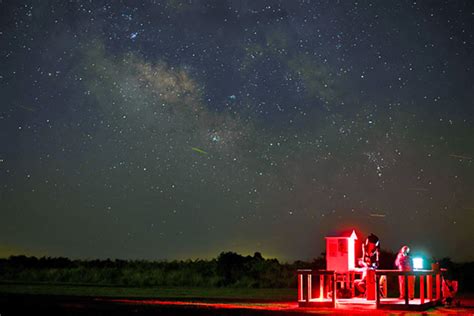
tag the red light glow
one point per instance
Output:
(278, 306)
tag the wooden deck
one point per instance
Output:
(362, 303)
(316, 302)
(315, 289)
(399, 304)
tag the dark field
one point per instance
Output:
(15, 304)
(149, 292)
(63, 299)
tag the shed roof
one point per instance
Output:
(350, 233)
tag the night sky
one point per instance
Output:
(180, 129)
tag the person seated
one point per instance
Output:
(369, 260)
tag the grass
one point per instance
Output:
(150, 292)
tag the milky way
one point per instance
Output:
(180, 129)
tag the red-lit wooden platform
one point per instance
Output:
(316, 289)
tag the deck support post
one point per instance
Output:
(422, 289)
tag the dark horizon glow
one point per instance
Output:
(181, 129)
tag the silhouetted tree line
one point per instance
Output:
(229, 269)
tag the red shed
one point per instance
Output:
(341, 251)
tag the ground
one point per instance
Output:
(14, 300)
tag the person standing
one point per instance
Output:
(403, 263)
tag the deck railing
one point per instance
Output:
(426, 278)
(327, 285)
(429, 288)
